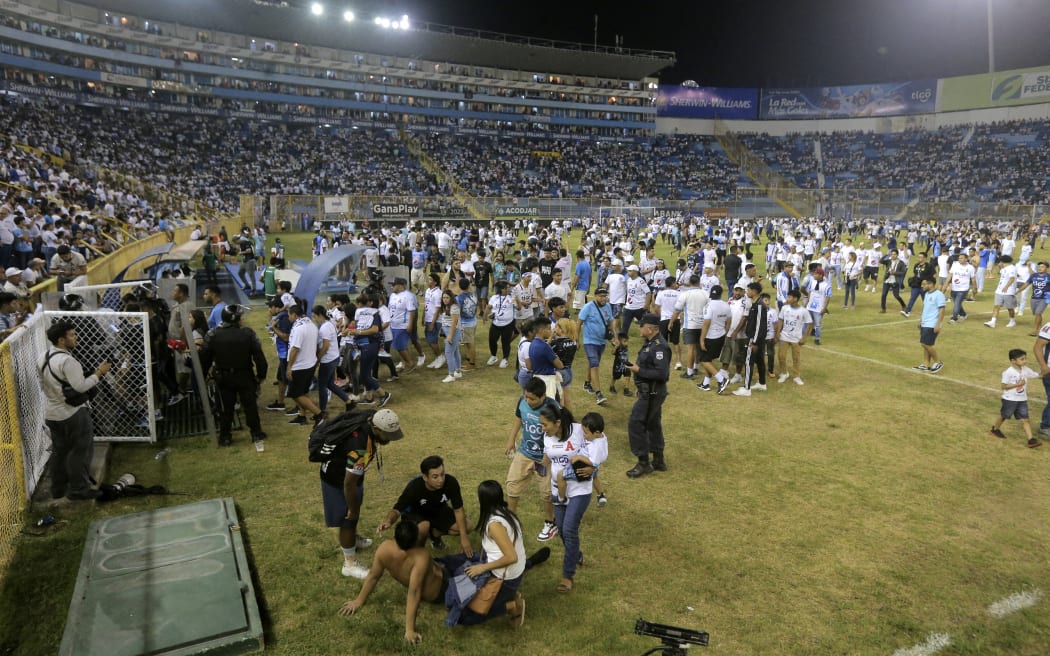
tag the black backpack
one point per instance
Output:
(327, 438)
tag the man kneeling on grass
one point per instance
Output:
(412, 566)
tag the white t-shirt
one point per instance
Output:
(692, 302)
(304, 337)
(793, 322)
(1007, 280)
(555, 290)
(561, 454)
(819, 293)
(717, 312)
(401, 304)
(384, 316)
(493, 552)
(502, 308)
(523, 294)
(961, 275)
(637, 289)
(617, 284)
(327, 331)
(666, 299)
(1019, 379)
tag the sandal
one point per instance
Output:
(565, 585)
(518, 619)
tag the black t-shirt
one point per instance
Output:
(547, 271)
(482, 273)
(418, 500)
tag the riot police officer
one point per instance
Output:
(651, 371)
(229, 351)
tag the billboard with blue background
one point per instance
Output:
(855, 101)
(674, 101)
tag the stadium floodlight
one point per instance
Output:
(348, 16)
(404, 22)
(317, 9)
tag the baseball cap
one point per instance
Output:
(276, 303)
(399, 281)
(633, 267)
(617, 261)
(820, 271)
(12, 271)
(601, 290)
(651, 319)
(388, 423)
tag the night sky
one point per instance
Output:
(763, 43)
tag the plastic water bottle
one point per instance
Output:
(123, 482)
(163, 453)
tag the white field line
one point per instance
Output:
(823, 349)
(1015, 602)
(934, 643)
(870, 325)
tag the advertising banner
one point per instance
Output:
(449, 212)
(890, 99)
(675, 101)
(716, 213)
(395, 210)
(1017, 87)
(514, 211)
(336, 204)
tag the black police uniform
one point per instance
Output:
(232, 349)
(645, 428)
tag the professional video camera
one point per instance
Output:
(675, 640)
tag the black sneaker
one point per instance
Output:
(936, 366)
(1033, 443)
(318, 419)
(687, 375)
(600, 399)
(386, 399)
(723, 385)
(277, 406)
(921, 367)
(627, 392)
(587, 388)
(612, 389)
(995, 432)
(300, 421)
(703, 387)
(538, 558)
(291, 412)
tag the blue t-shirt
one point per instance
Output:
(531, 444)
(284, 324)
(591, 316)
(583, 275)
(215, 318)
(932, 303)
(1039, 281)
(541, 355)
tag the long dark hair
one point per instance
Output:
(553, 414)
(492, 502)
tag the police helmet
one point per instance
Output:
(232, 314)
(376, 275)
(71, 302)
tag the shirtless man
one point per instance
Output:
(411, 566)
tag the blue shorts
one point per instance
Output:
(1013, 409)
(335, 502)
(926, 336)
(594, 354)
(617, 308)
(566, 376)
(400, 341)
(431, 335)
(482, 293)
(282, 369)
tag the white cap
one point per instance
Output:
(12, 271)
(633, 267)
(388, 423)
(617, 262)
(628, 258)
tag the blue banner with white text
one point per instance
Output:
(856, 101)
(674, 101)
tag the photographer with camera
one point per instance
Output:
(68, 414)
(233, 349)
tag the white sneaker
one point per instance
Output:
(458, 374)
(503, 363)
(421, 360)
(549, 530)
(449, 379)
(492, 360)
(783, 378)
(798, 380)
(399, 366)
(1011, 324)
(260, 445)
(438, 362)
(759, 386)
(742, 391)
(363, 542)
(355, 569)
(990, 323)
(735, 379)
(677, 366)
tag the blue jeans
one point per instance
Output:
(568, 518)
(326, 384)
(957, 304)
(369, 356)
(851, 294)
(818, 322)
(452, 356)
(916, 292)
(1044, 421)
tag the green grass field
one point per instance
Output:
(858, 514)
